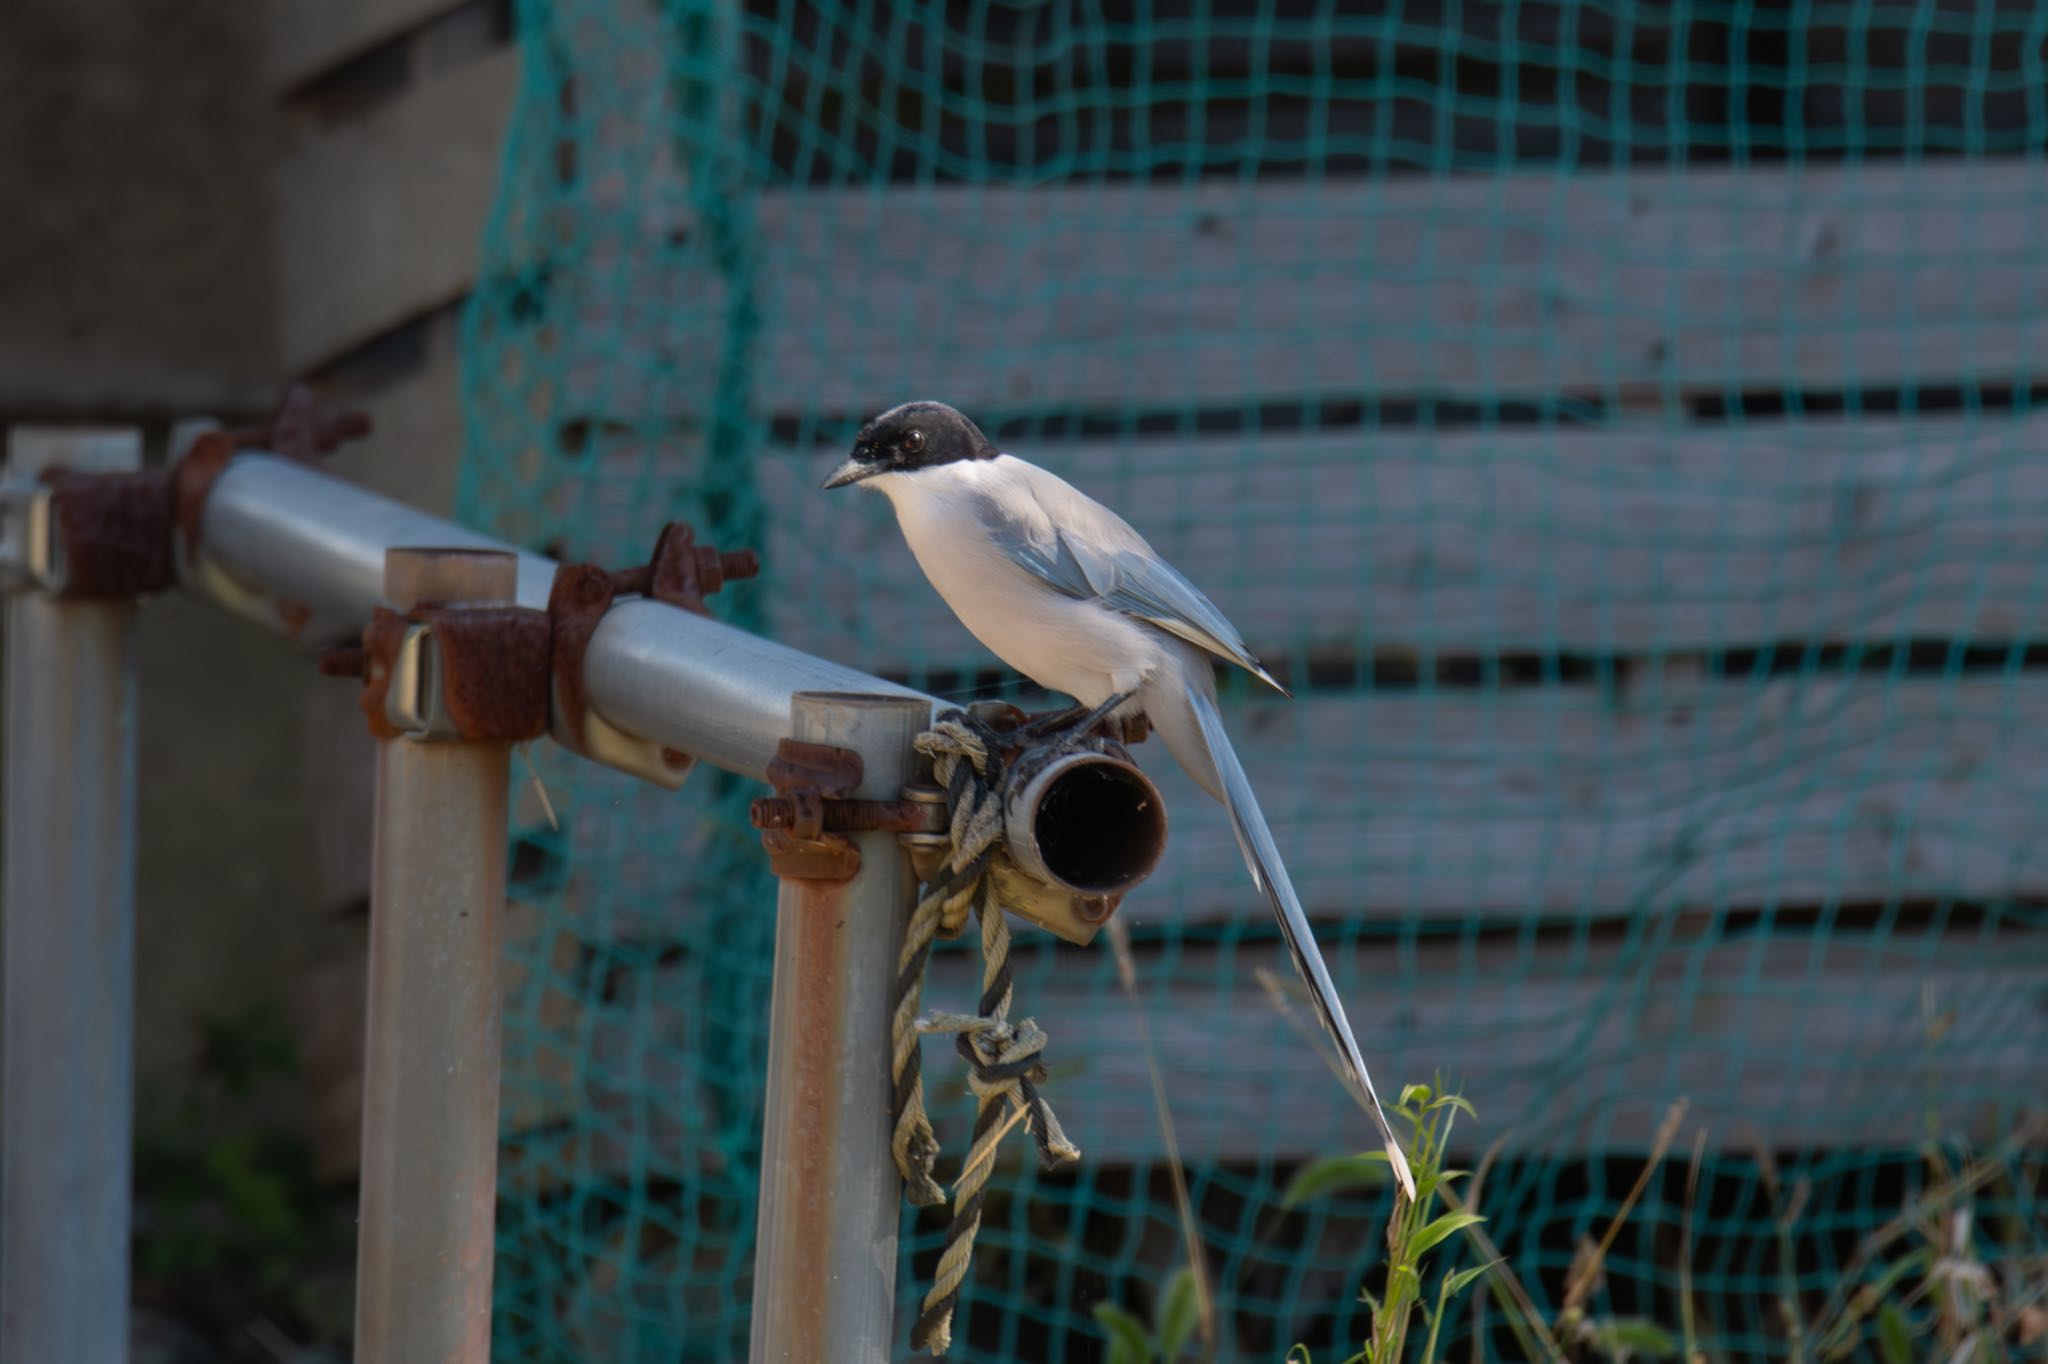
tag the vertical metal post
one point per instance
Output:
(430, 1086)
(67, 948)
(825, 1265)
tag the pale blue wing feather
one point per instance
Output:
(1107, 561)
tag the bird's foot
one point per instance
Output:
(1073, 724)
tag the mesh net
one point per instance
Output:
(1615, 424)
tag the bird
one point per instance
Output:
(1062, 589)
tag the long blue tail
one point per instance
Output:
(1255, 840)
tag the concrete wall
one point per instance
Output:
(146, 150)
(135, 252)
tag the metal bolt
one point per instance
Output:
(342, 660)
(848, 816)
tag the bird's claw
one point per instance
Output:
(1071, 725)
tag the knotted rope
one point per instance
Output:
(1003, 1058)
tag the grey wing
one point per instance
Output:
(1104, 559)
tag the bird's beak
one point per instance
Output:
(853, 471)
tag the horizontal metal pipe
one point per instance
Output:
(705, 687)
(292, 535)
(290, 532)
(278, 532)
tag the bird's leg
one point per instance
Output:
(1071, 724)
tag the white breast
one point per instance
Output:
(1081, 648)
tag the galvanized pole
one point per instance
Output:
(68, 950)
(430, 1090)
(825, 1265)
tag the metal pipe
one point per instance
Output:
(293, 533)
(1087, 823)
(431, 1064)
(708, 689)
(825, 1263)
(280, 531)
(67, 946)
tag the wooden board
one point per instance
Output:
(1561, 801)
(382, 219)
(1628, 539)
(310, 37)
(1790, 1043)
(1124, 296)
(1120, 297)
(1561, 1046)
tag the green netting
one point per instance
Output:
(1613, 420)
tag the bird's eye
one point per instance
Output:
(913, 442)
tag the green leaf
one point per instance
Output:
(1367, 1170)
(1916, 1262)
(1298, 1354)
(1179, 1312)
(1436, 1231)
(1421, 1094)
(1633, 1335)
(1894, 1338)
(1457, 1101)
(1464, 1279)
(1426, 1182)
(1129, 1341)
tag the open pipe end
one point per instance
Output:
(1087, 823)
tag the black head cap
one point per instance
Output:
(913, 436)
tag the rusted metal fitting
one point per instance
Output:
(486, 672)
(96, 535)
(301, 429)
(681, 573)
(112, 532)
(930, 841)
(341, 660)
(79, 534)
(383, 641)
(440, 670)
(806, 815)
(1067, 872)
(809, 779)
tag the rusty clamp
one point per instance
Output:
(477, 674)
(804, 825)
(115, 535)
(680, 572)
(497, 673)
(87, 535)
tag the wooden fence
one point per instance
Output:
(1651, 534)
